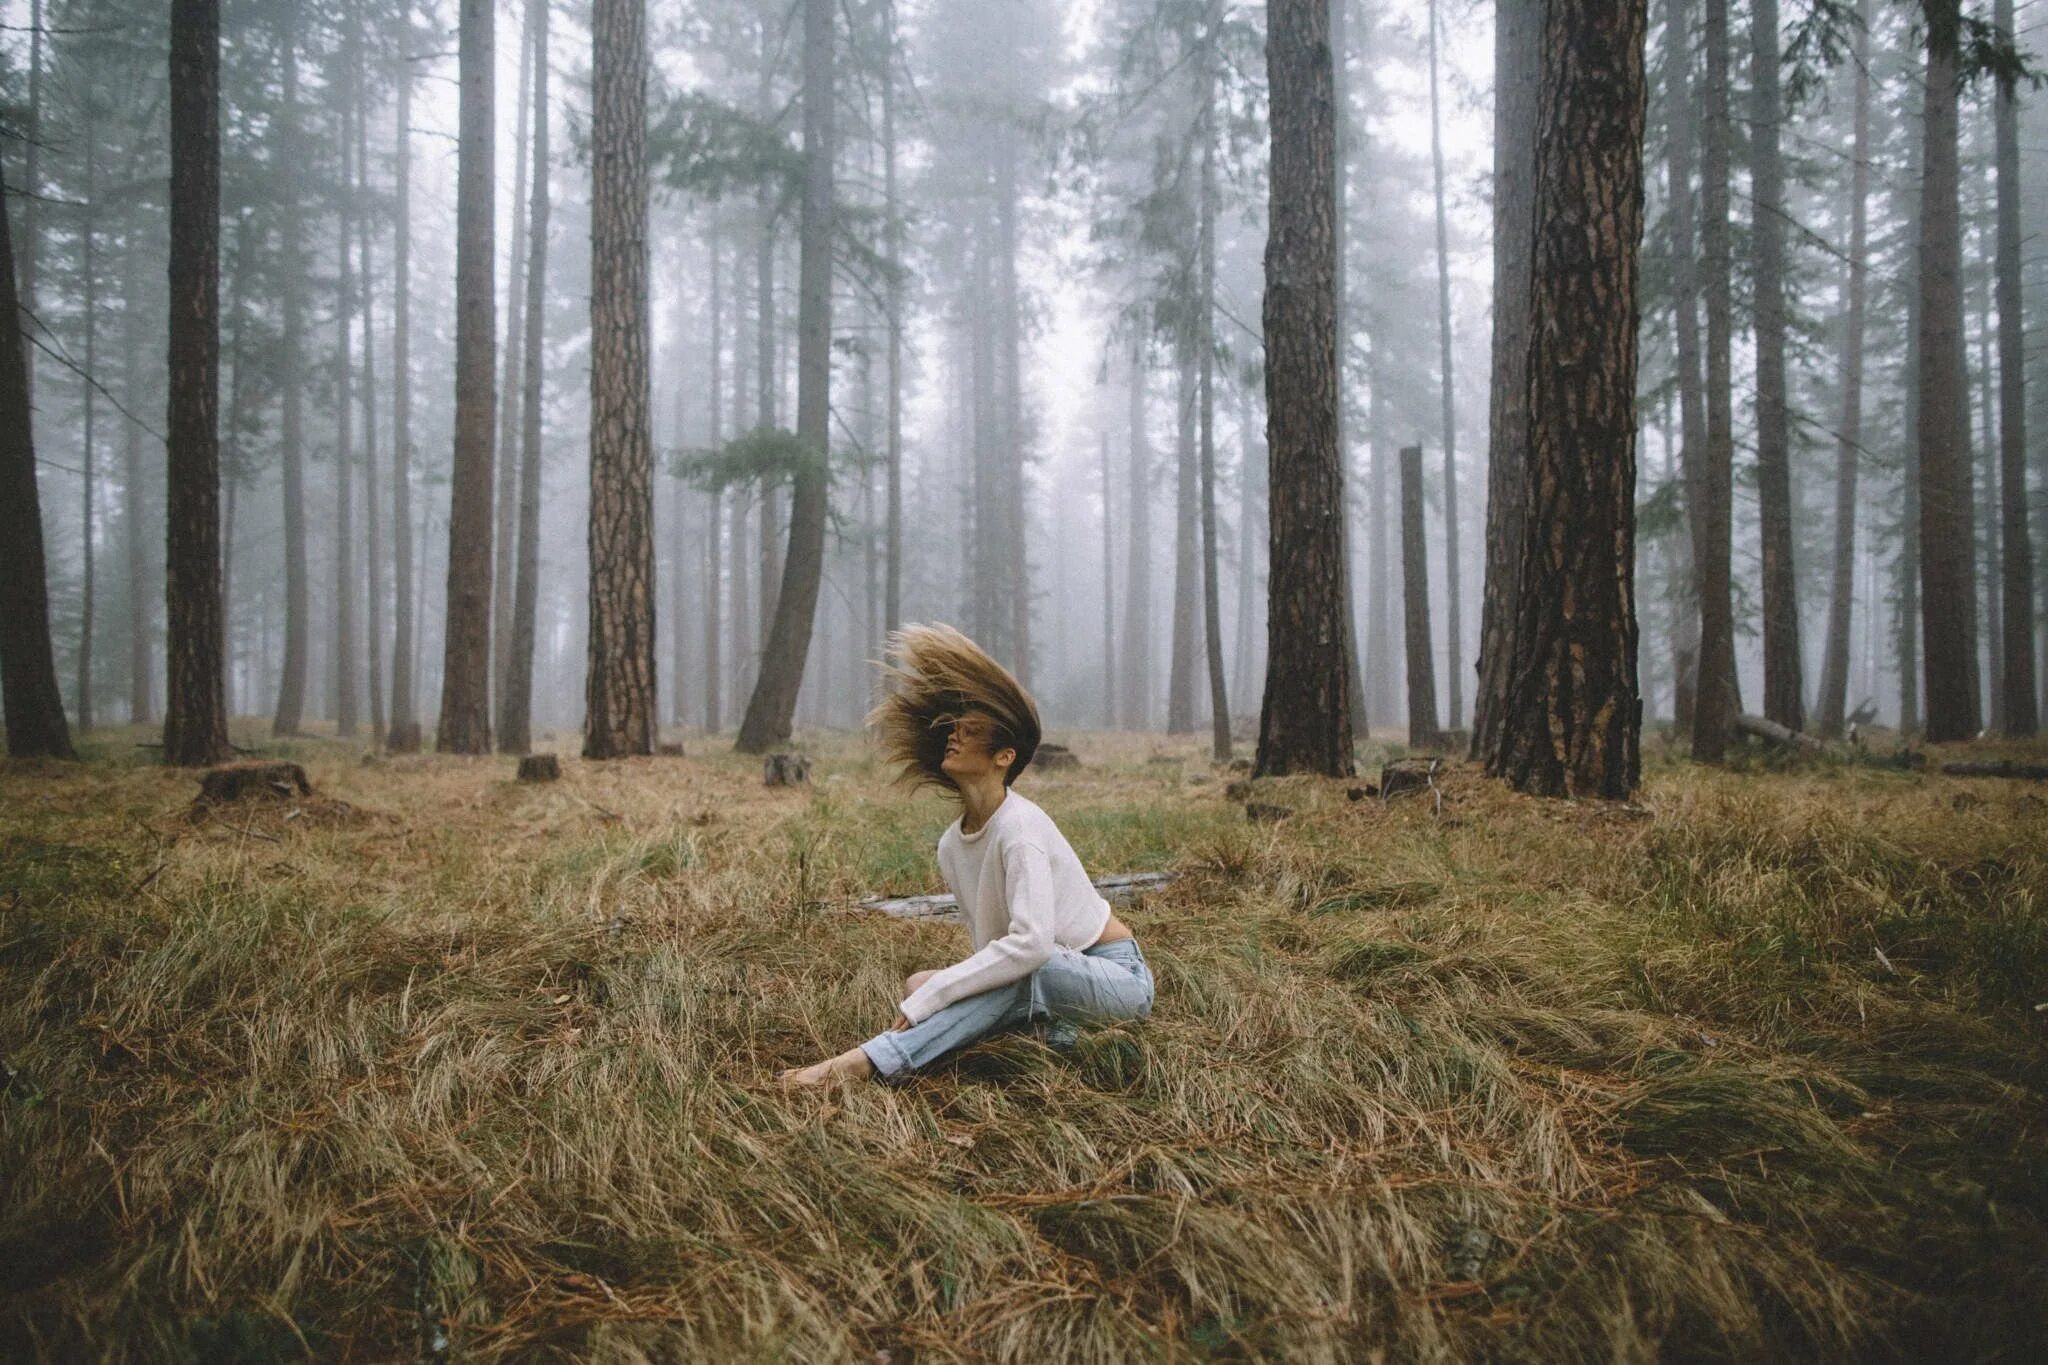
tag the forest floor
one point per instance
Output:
(434, 1063)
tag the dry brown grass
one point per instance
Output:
(454, 1065)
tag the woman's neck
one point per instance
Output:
(980, 799)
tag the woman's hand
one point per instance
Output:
(910, 985)
(900, 1024)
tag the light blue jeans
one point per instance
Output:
(1105, 982)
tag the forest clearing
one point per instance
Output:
(433, 1063)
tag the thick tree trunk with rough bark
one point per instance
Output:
(773, 704)
(404, 734)
(1717, 700)
(465, 724)
(619, 688)
(28, 666)
(1518, 27)
(1947, 532)
(1784, 687)
(1305, 718)
(196, 713)
(1422, 726)
(1830, 708)
(2016, 685)
(1571, 716)
(515, 715)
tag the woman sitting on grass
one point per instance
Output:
(1046, 944)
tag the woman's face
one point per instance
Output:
(967, 748)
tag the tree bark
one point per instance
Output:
(1681, 144)
(714, 514)
(1205, 342)
(505, 541)
(619, 691)
(195, 713)
(345, 664)
(33, 703)
(892, 243)
(1947, 533)
(1831, 706)
(1571, 716)
(1305, 718)
(1454, 613)
(1518, 27)
(404, 734)
(1137, 676)
(2017, 605)
(291, 683)
(515, 725)
(465, 723)
(773, 703)
(1784, 687)
(1717, 699)
(1422, 727)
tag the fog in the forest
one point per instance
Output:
(1041, 250)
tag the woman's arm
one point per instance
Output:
(1027, 890)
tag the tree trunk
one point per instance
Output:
(1571, 717)
(506, 436)
(1908, 640)
(234, 466)
(88, 231)
(374, 550)
(1517, 31)
(195, 712)
(1205, 350)
(1137, 676)
(1180, 671)
(1250, 462)
(1831, 707)
(1680, 120)
(679, 536)
(1016, 568)
(619, 691)
(291, 683)
(28, 666)
(714, 514)
(515, 724)
(1454, 615)
(892, 243)
(465, 723)
(135, 556)
(1947, 534)
(1422, 727)
(2017, 605)
(344, 637)
(1305, 718)
(1354, 646)
(1109, 673)
(1717, 699)
(404, 734)
(773, 703)
(1784, 687)
(32, 185)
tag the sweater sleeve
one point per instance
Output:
(1027, 894)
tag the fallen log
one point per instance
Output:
(1777, 734)
(2026, 772)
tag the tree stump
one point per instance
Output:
(238, 781)
(403, 739)
(540, 768)
(785, 770)
(1054, 757)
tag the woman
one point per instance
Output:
(1046, 944)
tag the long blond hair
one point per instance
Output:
(937, 674)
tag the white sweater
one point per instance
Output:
(1022, 893)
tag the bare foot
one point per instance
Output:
(851, 1065)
